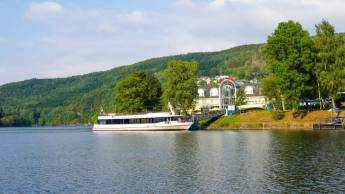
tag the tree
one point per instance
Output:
(290, 54)
(181, 86)
(138, 92)
(240, 98)
(8, 121)
(330, 61)
(270, 88)
(153, 93)
(1, 115)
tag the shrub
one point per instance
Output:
(277, 115)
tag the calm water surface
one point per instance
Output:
(80, 161)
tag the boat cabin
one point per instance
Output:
(138, 119)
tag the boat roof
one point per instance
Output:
(140, 116)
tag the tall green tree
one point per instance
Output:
(153, 93)
(330, 63)
(290, 54)
(270, 88)
(138, 92)
(181, 86)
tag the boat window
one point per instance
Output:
(101, 121)
(144, 120)
(116, 121)
(136, 120)
(161, 119)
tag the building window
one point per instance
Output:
(201, 92)
(214, 92)
(249, 90)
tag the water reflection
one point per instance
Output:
(186, 166)
(307, 161)
(172, 162)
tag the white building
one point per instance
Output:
(216, 93)
(219, 92)
(253, 97)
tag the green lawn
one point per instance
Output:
(263, 119)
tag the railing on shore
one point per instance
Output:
(203, 119)
(207, 115)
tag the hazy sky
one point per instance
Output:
(44, 39)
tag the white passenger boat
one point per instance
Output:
(142, 122)
(161, 121)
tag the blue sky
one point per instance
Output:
(47, 39)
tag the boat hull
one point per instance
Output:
(144, 127)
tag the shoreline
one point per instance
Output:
(259, 129)
(266, 126)
(263, 120)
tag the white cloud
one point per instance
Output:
(218, 3)
(3, 40)
(184, 3)
(135, 16)
(190, 25)
(44, 10)
(81, 40)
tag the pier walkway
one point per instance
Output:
(333, 123)
(202, 120)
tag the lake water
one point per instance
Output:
(80, 161)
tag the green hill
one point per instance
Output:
(79, 99)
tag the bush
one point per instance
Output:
(277, 115)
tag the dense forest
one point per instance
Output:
(78, 99)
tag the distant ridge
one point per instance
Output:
(78, 99)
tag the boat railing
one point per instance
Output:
(123, 114)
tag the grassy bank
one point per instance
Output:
(264, 120)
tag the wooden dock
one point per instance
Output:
(335, 123)
(327, 126)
